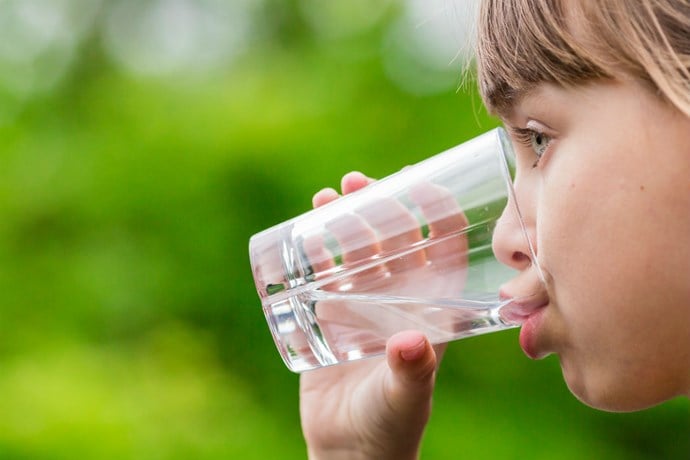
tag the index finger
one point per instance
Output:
(445, 220)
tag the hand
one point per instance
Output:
(378, 408)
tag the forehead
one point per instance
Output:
(522, 44)
(523, 100)
(542, 100)
(624, 106)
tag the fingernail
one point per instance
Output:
(414, 352)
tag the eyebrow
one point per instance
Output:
(532, 94)
(512, 98)
(507, 108)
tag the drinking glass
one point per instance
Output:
(410, 251)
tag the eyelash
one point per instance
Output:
(524, 137)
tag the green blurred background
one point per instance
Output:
(143, 142)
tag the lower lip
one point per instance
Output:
(529, 333)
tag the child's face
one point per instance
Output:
(608, 208)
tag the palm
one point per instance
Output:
(332, 398)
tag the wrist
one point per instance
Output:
(356, 454)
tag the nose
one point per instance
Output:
(510, 243)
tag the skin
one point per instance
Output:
(607, 208)
(375, 408)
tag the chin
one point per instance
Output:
(609, 392)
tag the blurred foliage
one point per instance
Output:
(130, 323)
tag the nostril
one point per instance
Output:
(520, 258)
(510, 242)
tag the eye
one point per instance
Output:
(533, 139)
(540, 142)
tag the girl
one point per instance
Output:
(596, 97)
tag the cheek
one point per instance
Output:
(612, 256)
(589, 243)
(569, 223)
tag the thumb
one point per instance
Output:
(412, 361)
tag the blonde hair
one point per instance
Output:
(522, 43)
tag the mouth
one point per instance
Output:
(527, 312)
(520, 309)
(529, 335)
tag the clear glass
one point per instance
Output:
(411, 251)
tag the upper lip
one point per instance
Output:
(522, 307)
(526, 293)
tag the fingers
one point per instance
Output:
(353, 181)
(324, 196)
(387, 225)
(396, 228)
(358, 244)
(319, 257)
(444, 217)
(413, 363)
(356, 239)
